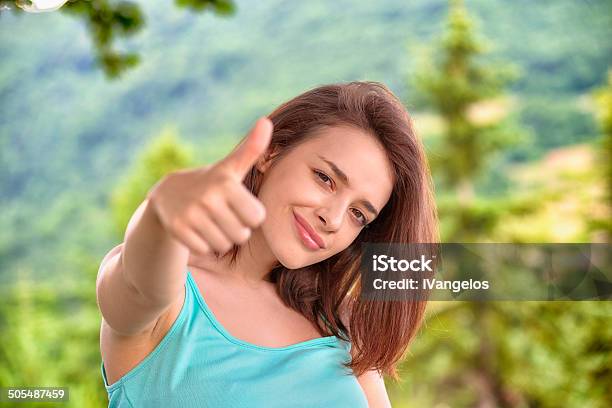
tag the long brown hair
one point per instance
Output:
(379, 331)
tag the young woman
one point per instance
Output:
(237, 284)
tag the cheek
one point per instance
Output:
(290, 188)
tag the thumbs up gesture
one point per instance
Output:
(208, 208)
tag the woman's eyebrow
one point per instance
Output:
(342, 176)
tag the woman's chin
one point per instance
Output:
(293, 258)
(297, 262)
(291, 262)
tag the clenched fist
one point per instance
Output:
(208, 208)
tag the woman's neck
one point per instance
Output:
(253, 263)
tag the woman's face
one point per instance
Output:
(308, 202)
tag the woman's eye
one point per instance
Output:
(322, 176)
(363, 218)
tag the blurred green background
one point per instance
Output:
(512, 99)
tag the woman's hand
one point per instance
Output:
(208, 208)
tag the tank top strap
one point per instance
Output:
(214, 324)
(201, 311)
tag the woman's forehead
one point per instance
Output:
(342, 140)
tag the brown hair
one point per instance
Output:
(379, 331)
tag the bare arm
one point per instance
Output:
(193, 210)
(139, 278)
(373, 386)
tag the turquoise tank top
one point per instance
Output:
(200, 364)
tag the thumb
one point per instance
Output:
(245, 155)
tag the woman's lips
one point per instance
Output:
(310, 239)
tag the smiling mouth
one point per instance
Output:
(304, 235)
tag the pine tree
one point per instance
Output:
(467, 93)
(495, 354)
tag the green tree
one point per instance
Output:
(467, 93)
(107, 20)
(454, 83)
(494, 354)
(603, 97)
(164, 154)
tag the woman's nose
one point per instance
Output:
(331, 217)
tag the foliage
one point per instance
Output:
(163, 155)
(453, 84)
(604, 101)
(458, 87)
(511, 354)
(107, 20)
(495, 354)
(49, 335)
